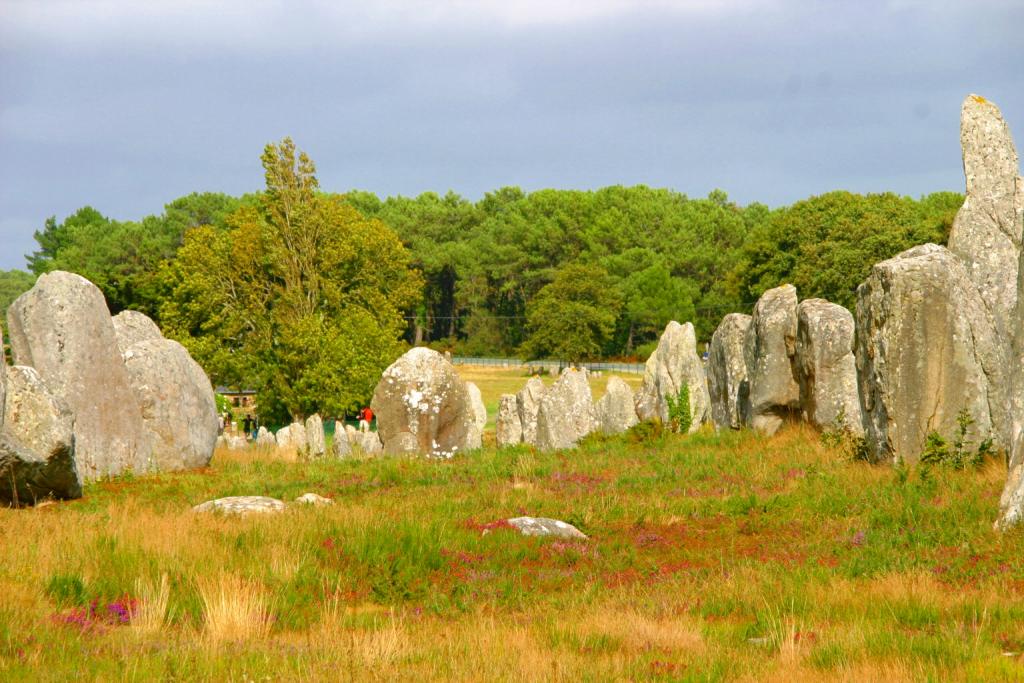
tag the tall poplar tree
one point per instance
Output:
(301, 297)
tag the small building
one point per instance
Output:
(239, 398)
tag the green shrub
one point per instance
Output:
(679, 417)
(959, 455)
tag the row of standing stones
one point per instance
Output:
(91, 396)
(936, 331)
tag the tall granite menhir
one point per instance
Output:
(926, 349)
(62, 328)
(825, 367)
(727, 371)
(673, 364)
(769, 348)
(986, 233)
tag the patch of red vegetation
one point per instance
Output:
(622, 577)
(95, 617)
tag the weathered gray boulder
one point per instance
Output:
(341, 447)
(527, 405)
(62, 328)
(826, 369)
(423, 406)
(297, 436)
(238, 442)
(369, 443)
(283, 437)
(241, 505)
(727, 371)
(566, 412)
(673, 364)
(476, 402)
(545, 526)
(773, 394)
(986, 233)
(313, 500)
(926, 348)
(36, 446)
(176, 398)
(264, 438)
(616, 410)
(1011, 503)
(35, 418)
(509, 429)
(316, 441)
(132, 326)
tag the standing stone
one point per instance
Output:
(1011, 503)
(768, 350)
(340, 445)
(673, 364)
(423, 406)
(826, 369)
(174, 393)
(36, 447)
(62, 328)
(566, 412)
(727, 371)
(316, 441)
(177, 402)
(926, 348)
(284, 437)
(265, 438)
(616, 411)
(986, 233)
(527, 405)
(132, 326)
(297, 436)
(509, 429)
(370, 443)
(476, 402)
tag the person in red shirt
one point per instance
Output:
(365, 418)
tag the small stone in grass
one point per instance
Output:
(313, 499)
(543, 526)
(241, 505)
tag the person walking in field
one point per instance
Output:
(365, 418)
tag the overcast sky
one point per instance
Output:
(127, 105)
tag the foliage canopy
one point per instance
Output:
(300, 296)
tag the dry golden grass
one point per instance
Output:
(682, 579)
(151, 610)
(234, 609)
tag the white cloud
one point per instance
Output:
(271, 24)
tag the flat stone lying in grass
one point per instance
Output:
(544, 526)
(241, 505)
(313, 499)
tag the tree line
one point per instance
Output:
(307, 294)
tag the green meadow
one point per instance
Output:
(711, 557)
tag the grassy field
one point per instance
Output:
(711, 557)
(494, 382)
